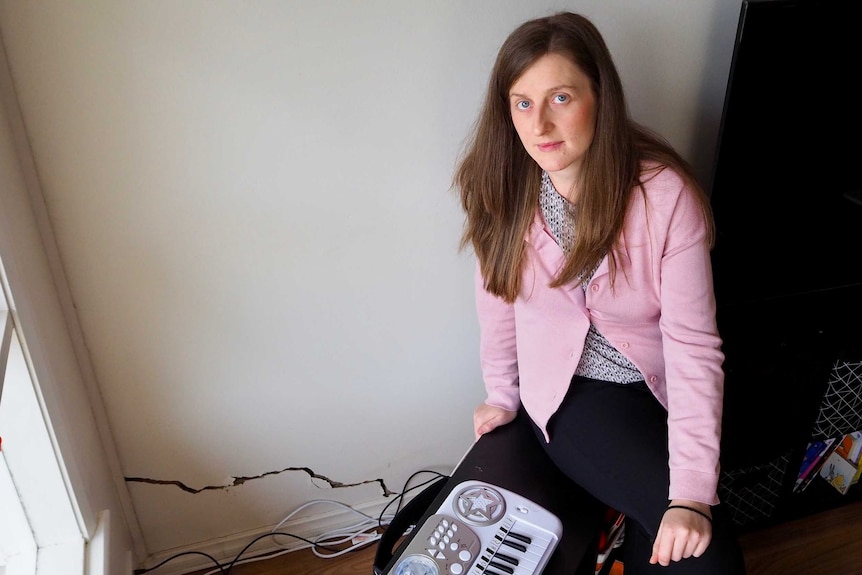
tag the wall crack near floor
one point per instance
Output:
(237, 481)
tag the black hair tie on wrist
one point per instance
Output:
(701, 513)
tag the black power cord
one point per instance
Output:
(225, 569)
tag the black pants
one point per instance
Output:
(611, 439)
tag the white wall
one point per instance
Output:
(251, 202)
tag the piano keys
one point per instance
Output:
(481, 529)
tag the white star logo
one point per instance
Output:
(480, 505)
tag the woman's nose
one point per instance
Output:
(541, 121)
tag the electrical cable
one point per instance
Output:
(404, 491)
(365, 531)
(362, 530)
(172, 557)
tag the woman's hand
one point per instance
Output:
(682, 533)
(487, 417)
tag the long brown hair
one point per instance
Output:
(499, 182)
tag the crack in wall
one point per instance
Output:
(240, 480)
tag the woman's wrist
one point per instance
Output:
(692, 506)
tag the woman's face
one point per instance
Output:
(554, 112)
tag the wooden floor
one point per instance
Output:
(827, 543)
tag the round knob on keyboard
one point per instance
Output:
(417, 565)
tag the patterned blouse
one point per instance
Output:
(600, 359)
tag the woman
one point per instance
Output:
(594, 294)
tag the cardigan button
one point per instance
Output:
(653, 379)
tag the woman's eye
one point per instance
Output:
(522, 105)
(561, 98)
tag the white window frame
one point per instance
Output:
(40, 526)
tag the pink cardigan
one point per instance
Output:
(660, 314)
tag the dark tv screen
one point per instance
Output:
(786, 179)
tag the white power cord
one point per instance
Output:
(358, 534)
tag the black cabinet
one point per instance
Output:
(788, 255)
(781, 356)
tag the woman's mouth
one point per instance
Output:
(549, 146)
